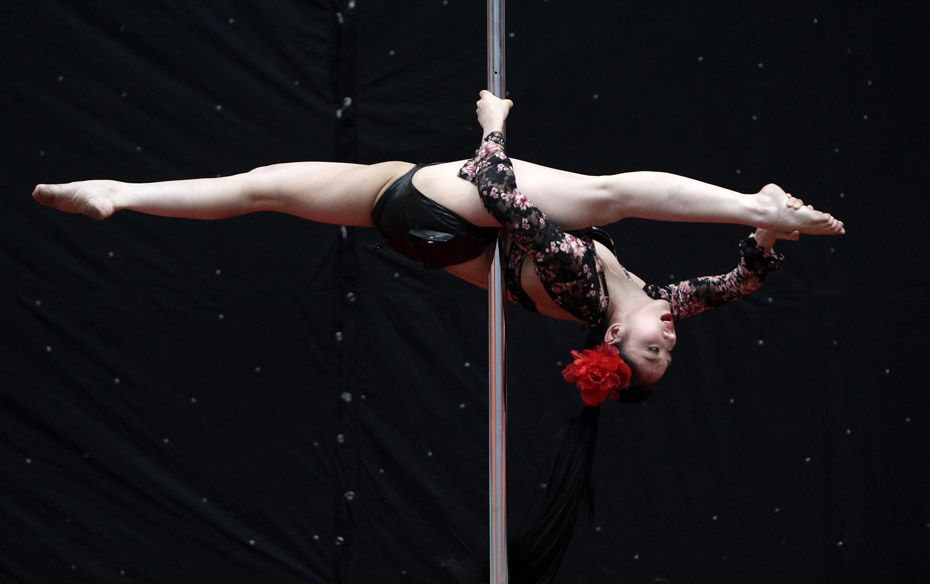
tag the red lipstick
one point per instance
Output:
(668, 320)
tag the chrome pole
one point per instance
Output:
(497, 391)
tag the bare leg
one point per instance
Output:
(327, 192)
(665, 197)
(575, 200)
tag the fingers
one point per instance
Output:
(484, 94)
(794, 202)
(786, 235)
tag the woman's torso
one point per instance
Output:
(440, 183)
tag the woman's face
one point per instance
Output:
(648, 337)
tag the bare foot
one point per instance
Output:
(94, 198)
(785, 213)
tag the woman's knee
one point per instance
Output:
(260, 187)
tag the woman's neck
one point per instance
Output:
(626, 289)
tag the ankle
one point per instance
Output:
(759, 210)
(120, 193)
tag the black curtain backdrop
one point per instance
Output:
(263, 399)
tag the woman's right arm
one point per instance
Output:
(567, 265)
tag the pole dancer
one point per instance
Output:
(449, 215)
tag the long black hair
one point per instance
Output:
(535, 554)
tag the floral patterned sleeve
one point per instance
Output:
(696, 295)
(566, 264)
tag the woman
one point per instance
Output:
(430, 213)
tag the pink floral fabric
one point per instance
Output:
(696, 295)
(567, 265)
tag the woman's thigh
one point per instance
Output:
(570, 199)
(325, 192)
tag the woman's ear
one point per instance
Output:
(613, 333)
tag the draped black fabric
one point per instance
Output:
(263, 399)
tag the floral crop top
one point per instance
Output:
(567, 264)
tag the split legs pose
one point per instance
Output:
(340, 193)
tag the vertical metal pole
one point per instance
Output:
(497, 391)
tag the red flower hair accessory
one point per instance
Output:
(599, 373)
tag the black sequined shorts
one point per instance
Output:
(423, 230)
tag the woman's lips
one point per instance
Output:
(669, 322)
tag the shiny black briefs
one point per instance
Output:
(423, 230)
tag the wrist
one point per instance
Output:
(764, 239)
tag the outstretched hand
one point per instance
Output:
(767, 237)
(492, 111)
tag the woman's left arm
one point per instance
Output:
(696, 295)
